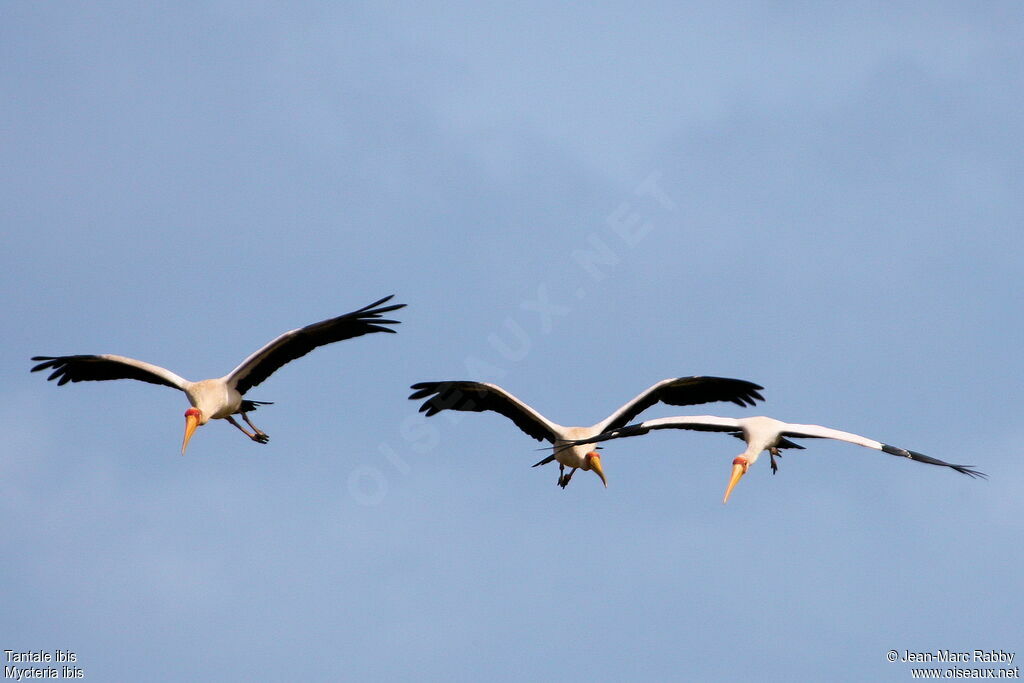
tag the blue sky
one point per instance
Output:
(574, 203)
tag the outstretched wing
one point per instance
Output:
(685, 391)
(817, 431)
(95, 368)
(479, 397)
(297, 343)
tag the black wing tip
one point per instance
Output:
(921, 457)
(372, 322)
(385, 309)
(377, 312)
(59, 365)
(48, 362)
(751, 392)
(738, 391)
(970, 471)
(962, 469)
(378, 302)
(373, 312)
(748, 400)
(424, 389)
(375, 327)
(433, 405)
(433, 390)
(966, 469)
(746, 384)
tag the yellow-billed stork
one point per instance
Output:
(221, 398)
(481, 396)
(761, 434)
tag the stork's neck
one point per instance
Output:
(751, 455)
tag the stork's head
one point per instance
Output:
(193, 418)
(739, 468)
(592, 461)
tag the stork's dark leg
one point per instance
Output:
(563, 480)
(773, 453)
(258, 437)
(261, 436)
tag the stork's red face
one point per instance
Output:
(192, 420)
(739, 468)
(594, 462)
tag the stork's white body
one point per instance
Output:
(568, 454)
(760, 433)
(215, 398)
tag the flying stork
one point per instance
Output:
(220, 398)
(481, 396)
(761, 434)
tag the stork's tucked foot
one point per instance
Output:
(774, 453)
(563, 479)
(260, 437)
